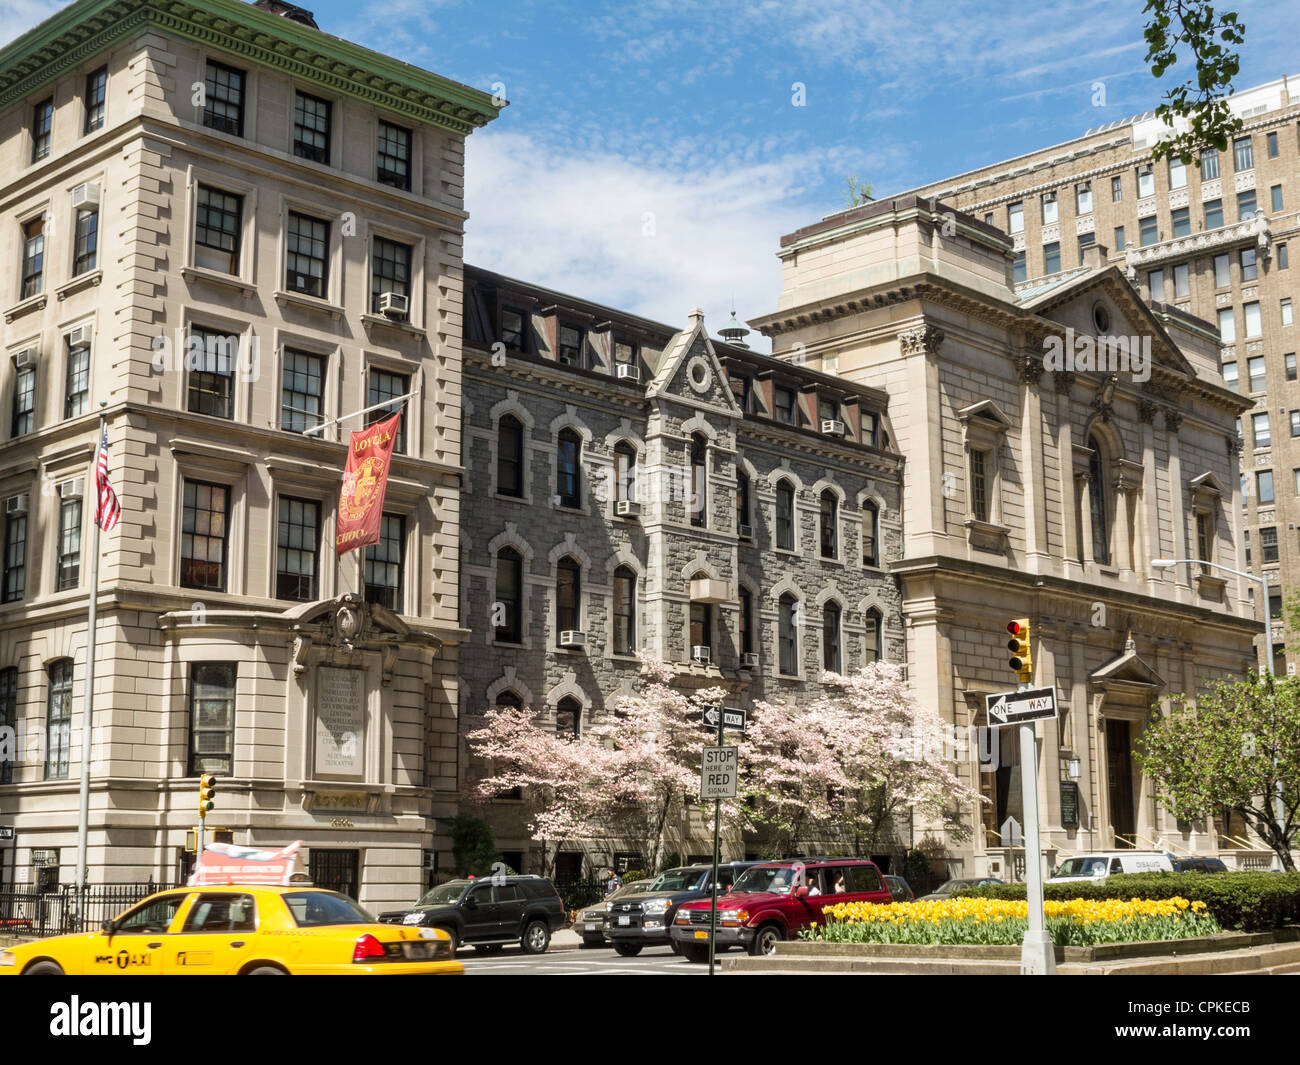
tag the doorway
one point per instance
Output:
(1119, 773)
(336, 870)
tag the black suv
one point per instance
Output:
(489, 913)
(645, 919)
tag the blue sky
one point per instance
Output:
(653, 153)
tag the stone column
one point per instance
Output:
(1063, 382)
(1037, 554)
(1084, 481)
(1150, 510)
(1178, 502)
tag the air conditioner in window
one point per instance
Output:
(86, 195)
(749, 660)
(26, 358)
(80, 336)
(833, 427)
(573, 638)
(15, 505)
(626, 508)
(701, 654)
(627, 372)
(394, 305)
(74, 488)
(745, 532)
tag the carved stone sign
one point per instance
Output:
(340, 723)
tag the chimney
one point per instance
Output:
(1094, 256)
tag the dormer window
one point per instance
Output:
(512, 329)
(783, 400)
(569, 350)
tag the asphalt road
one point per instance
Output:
(573, 961)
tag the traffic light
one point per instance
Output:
(1018, 645)
(207, 788)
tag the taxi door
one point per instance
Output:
(216, 934)
(139, 940)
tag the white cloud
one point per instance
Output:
(19, 16)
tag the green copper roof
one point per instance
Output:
(83, 29)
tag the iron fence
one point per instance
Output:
(55, 913)
(579, 891)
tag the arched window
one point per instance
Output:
(568, 718)
(746, 621)
(829, 522)
(58, 720)
(568, 469)
(624, 611)
(785, 515)
(870, 534)
(698, 505)
(788, 636)
(874, 644)
(624, 472)
(507, 607)
(744, 528)
(510, 699)
(8, 715)
(1097, 504)
(701, 624)
(510, 456)
(568, 592)
(831, 637)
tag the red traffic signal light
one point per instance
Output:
(1018, 645)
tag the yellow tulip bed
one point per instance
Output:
(1075, 923)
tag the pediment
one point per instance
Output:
(987, 413)
(1129, 669)
(689, 370)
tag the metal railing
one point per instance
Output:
(55, 913)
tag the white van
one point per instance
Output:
(1095, 868)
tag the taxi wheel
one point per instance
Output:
(266, 970)
(536, 938)
(43, 968)
(627, 950)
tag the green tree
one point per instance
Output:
(1200, 100)
(857, 192)
(473, 847)
(1239, 748)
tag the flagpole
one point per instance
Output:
(83, 823)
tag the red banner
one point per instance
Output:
(224, 863)
(361, 499)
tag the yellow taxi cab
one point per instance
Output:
(244, 930)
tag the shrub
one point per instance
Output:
(633, 874)
(473, 848)
(1247, 901)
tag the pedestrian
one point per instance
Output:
(612, 882)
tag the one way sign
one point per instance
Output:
(1014, 708)
(730, 718)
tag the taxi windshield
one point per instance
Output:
(1082, 867)
(777, 879)
(676, 880)
(311, 909)
(444, 894)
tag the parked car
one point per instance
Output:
(1096, 868)
(899, 889)
(590, 923)
(487, 915)
(644, 919)
(1199, 865)
(949, 888)
(774, 901)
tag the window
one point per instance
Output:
(788, 636)
(1282, 262)
(42, 120)
(93, 99)
(746, 621)
(1182, 281)
(510, 456)
(988, 218)
(85, 241)
(870, 534)
(1049, 208)
(870, 427)
(33, 256)
(1019, 268)
(1213, 213)
(1204, 541)
(1227, 326)
(701, 626)
(24, 413)
(1083, 198)
(568, 469)
(1230, 375)
(1275, 604)
(68, 574)
(1246, 205)
(1255, 366)
(624, 611)
(311, 128)
(568, 717)
(1177, 174)
(1148, 230)
(829, 524)
(1268, 544)
(572, 344)
(297, 550)
(1264, 486)
(1182, 220)
(210, 387)
(1275, 197)
(784, 401)
(1246, 539)
(15, 559)
(1209, 165)
(1287, 318)
(831, 637)
(625, 354)
(1100, 519)
(1119, 238)
(1116, 189)
(785, 516)
(212, 717)
(8, 715)
(1016, 218)
(385, 385)
(508, 606)
(874, 642)
(1249, 268)
(221, 913)
(1146, 182)
(1243, 155)
(1052, 257)
(513, 335)
(301, 390)
(1222, 271)
(1260, 428)
(698, 505)
(385, 564)
(223, 107)
(58, 720)
(393, 156)
(743, 389)
(1271, 140)
(568, 590)
(307, 267)
(217, 230)
(1086, 241)
(390, 270)
(1295, 423)
(76, 392)
(979, 485)
(1251, 312)
(1156, 284)
(1288, 361)
(204, 532)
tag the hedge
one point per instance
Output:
(1249, 901)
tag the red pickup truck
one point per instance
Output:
(774, 901)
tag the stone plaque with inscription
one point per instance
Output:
(340, 722)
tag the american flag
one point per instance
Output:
(107, 510)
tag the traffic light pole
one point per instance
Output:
(717, 820)
(1037, 958)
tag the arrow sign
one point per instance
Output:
(730, 717)
(1011, 835)
(1013, 708)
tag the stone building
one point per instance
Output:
(1211, 239)
(1042, 487)
(225, 227)
(632, 488)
